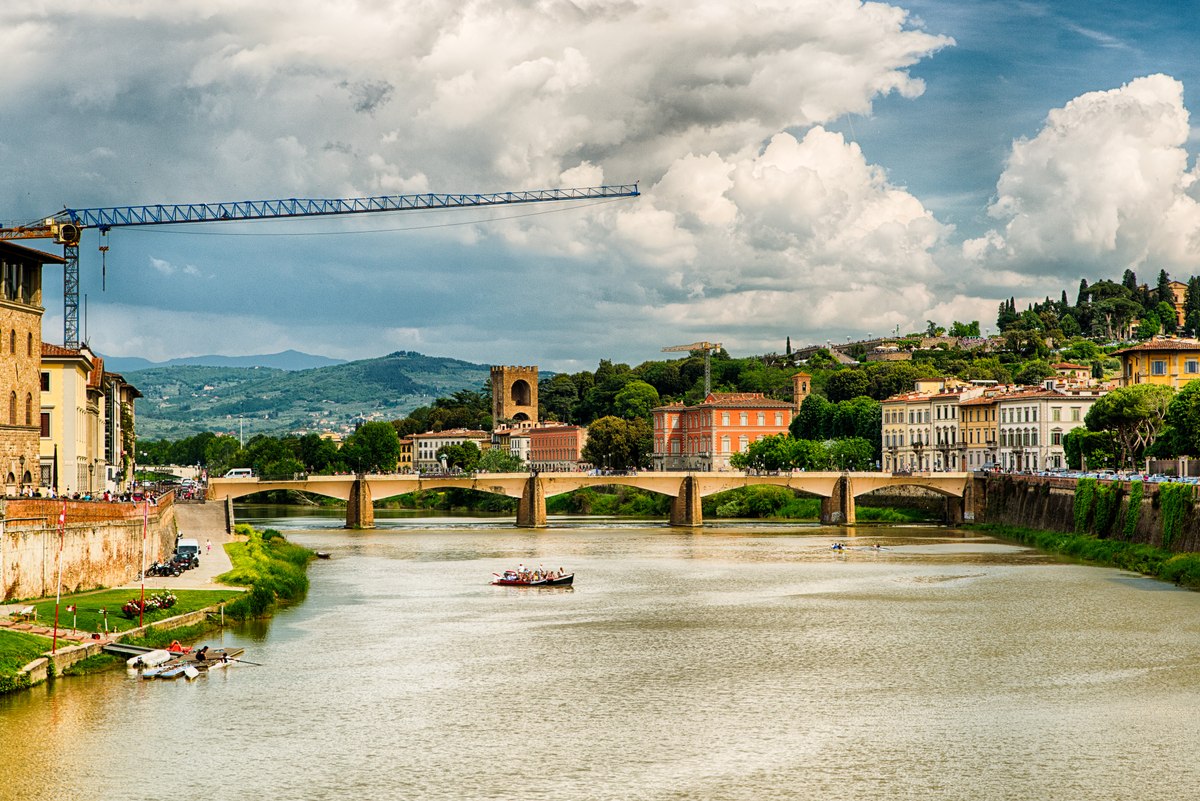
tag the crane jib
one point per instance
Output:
(166, 214)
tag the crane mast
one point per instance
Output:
(709, 348)
(66, 227)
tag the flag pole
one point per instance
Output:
(62, 533)
(145, 526)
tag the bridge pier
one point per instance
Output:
(359, 511)
(531, 508)
(838, 509)
(685, 507)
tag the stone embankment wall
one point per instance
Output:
(1111, 509)
(101, 544)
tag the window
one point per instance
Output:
(724, 444)
(12, 409)
(1075, 414)
(29, 345)
(12, 341)
(1056, 437)
(743, 443)
(45, 425)
(1055, 413)
(28, 409)
(45, 382)
(1158, 367)
(1191, 366)
(744, 418)
(762, 419)
(778, 418)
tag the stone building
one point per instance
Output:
(703, 437)
(556, 447)
(21, 346)
(514, 394)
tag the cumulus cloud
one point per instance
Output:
(718, 108)
(1105, 182)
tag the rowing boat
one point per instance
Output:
(510, 579)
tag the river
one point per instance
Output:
(740, 661)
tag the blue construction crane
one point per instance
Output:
(66, 227)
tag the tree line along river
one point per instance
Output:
(739, 661)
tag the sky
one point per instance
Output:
(812, 169)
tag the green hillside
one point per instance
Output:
(182, 400)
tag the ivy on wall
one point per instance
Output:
(1134, 512)
(1108, 501)
(1085, 495)
(1174, 501)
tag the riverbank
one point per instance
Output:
(1182, 569)
(271, 570)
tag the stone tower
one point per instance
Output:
(801, 388)
(514, 394)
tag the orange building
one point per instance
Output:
(556, 448)
(703, 437)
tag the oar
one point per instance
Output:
(245, 662)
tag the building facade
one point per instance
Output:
(703, 437)
(922, 428)
(556, 447)
(1172, 362)
(21, 349)
(427, 445)
(72, 420)
(1031, 425)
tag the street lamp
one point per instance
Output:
(21, 478)
(91, 471)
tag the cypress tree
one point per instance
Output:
(1083, 293)
(1165, 295)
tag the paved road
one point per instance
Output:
(204, 523)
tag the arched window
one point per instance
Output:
(12, 342)
(28, 409)
(29, 345)
(12, 409)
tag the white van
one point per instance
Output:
(240, 472)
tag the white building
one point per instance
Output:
(1033, 422)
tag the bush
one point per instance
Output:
(273, 568)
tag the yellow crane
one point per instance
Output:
(709, 348)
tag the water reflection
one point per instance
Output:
(736, 662)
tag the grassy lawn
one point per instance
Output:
(18, 649)
(89, 605)
(272, 567)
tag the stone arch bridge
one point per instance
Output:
(837, 491)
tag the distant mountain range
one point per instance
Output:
(182, 399)
(287, 360)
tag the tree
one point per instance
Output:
(558, 397)
(1133, 414)
(635, 400)
(846, 384)
(853, 453)
(1162, 292)
(465, 456)
(970, 329)
(618, 444)
(1034, 372)
(1129, 281)
(498, 460)
(1183, 415)
(373, 448)
(1166, 315)
(1148, 325)
(932, 329)
(1083, 298)
(1069, 325)
(810, 421)
(1096, 447)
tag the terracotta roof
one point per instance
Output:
(41, 257)
(1161, 345)
(58, 350)
(730, 400)
(1069, 366)
(96, 377)
(454, 432)
(983, 400)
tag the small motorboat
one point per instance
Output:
(511, 578)
(322, 554)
